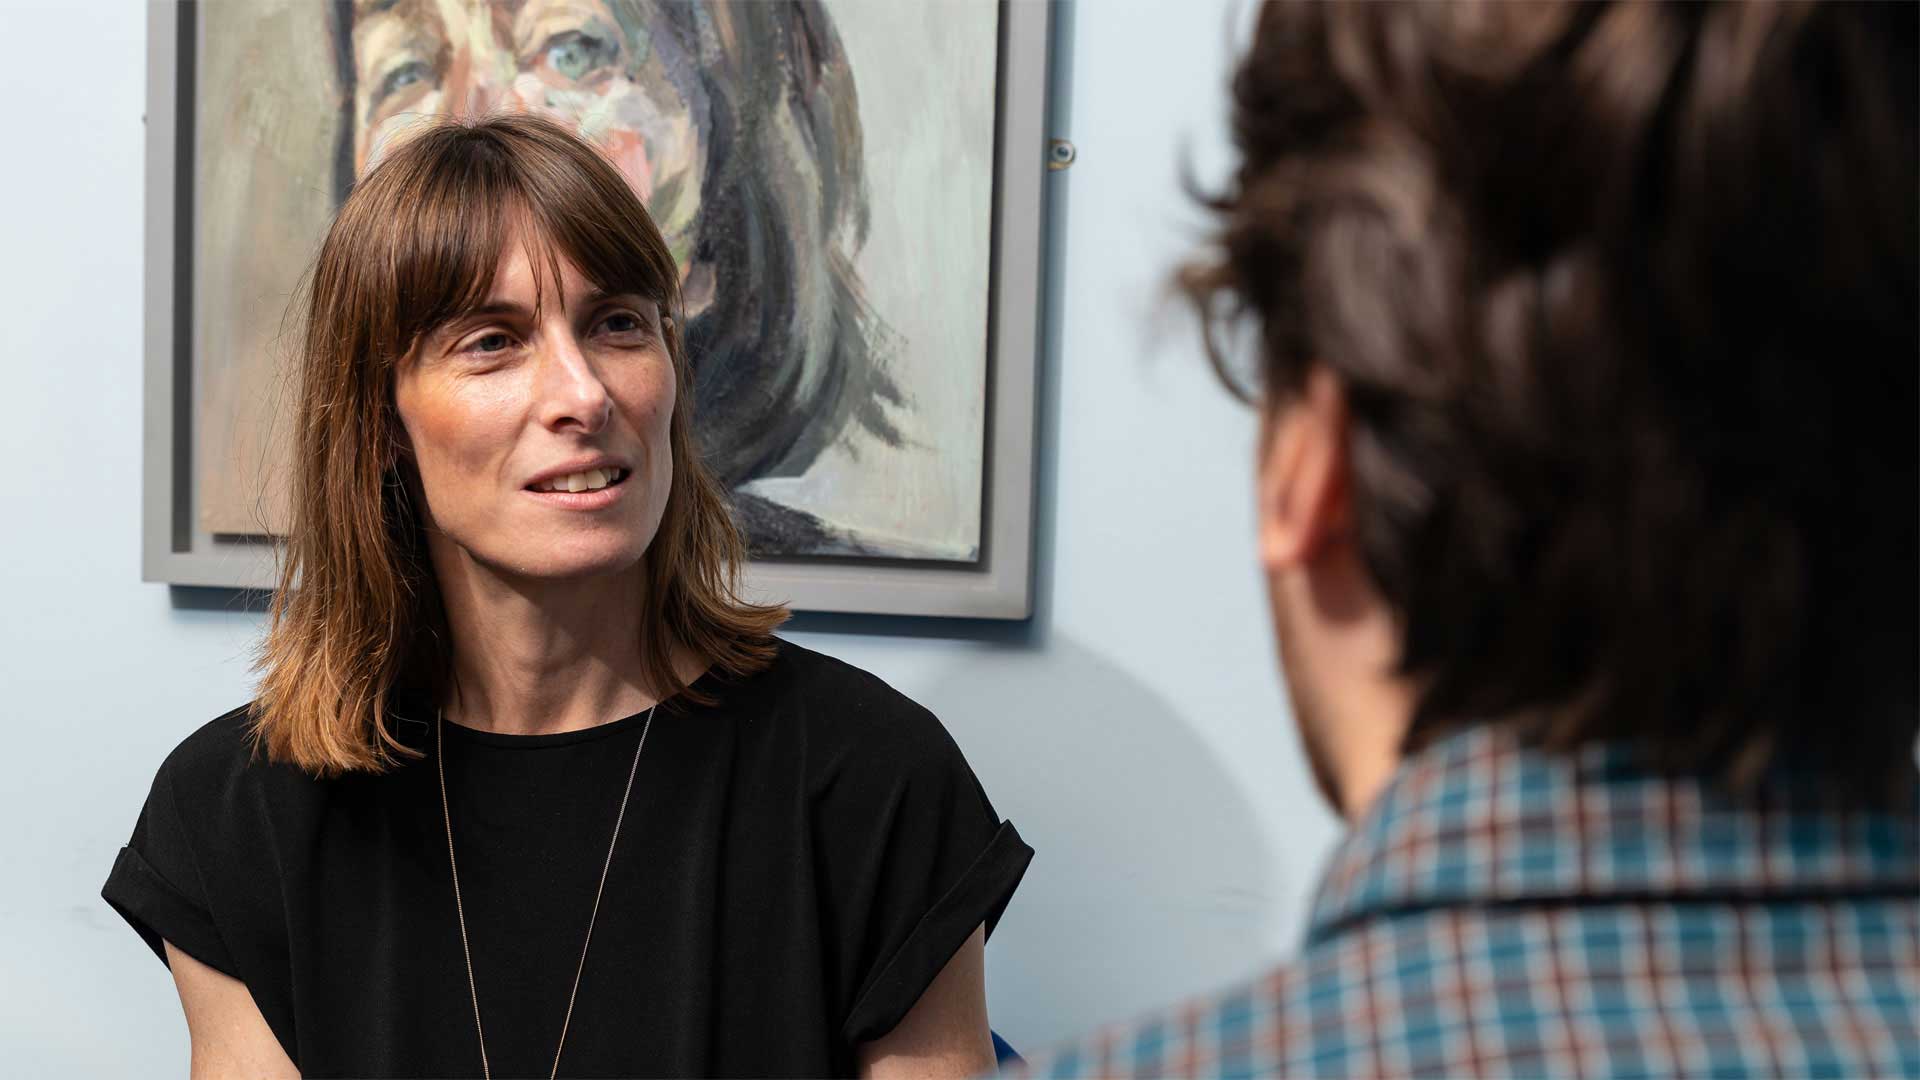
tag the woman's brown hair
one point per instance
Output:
(357, 615)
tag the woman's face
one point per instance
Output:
(629, 91)
(501, 407)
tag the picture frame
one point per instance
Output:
(178, 549)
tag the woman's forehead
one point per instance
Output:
(530, 266)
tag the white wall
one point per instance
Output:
(1134, 729)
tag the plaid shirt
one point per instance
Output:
(1506, 912)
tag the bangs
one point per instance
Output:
(455, 197)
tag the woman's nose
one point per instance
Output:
(570, 391)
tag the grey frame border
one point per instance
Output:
(175, 550)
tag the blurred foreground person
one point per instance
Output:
(1584, 344)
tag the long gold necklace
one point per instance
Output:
(460, 910)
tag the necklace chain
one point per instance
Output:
(460, 910)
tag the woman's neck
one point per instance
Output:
(536, 657)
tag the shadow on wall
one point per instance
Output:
(1151, 876)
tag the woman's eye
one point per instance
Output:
(631, 327)
(490, 343)
(575, 54)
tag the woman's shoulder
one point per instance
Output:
(832, 686)
(218, 748)
(221, 760)
(840, 704)
(805, 669)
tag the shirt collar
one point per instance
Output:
(1477, 818)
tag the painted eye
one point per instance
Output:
(576, 54)
(407, 74)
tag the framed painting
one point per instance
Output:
(852, 189)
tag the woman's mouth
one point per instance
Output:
(594, 489)
(591, 480)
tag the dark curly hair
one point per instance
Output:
(1623, 301)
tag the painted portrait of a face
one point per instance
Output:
(745, 129)
(601, 67)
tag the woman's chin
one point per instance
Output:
(563, 566)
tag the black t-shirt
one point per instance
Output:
(797, 863)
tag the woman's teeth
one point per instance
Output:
(591, 480)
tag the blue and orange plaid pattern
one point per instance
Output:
(1505, 912)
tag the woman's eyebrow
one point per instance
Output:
(601, 296)
(516, 309)
(495, 307)
(462, 321)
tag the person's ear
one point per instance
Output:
(1302, 489)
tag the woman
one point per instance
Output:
(527, 789)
